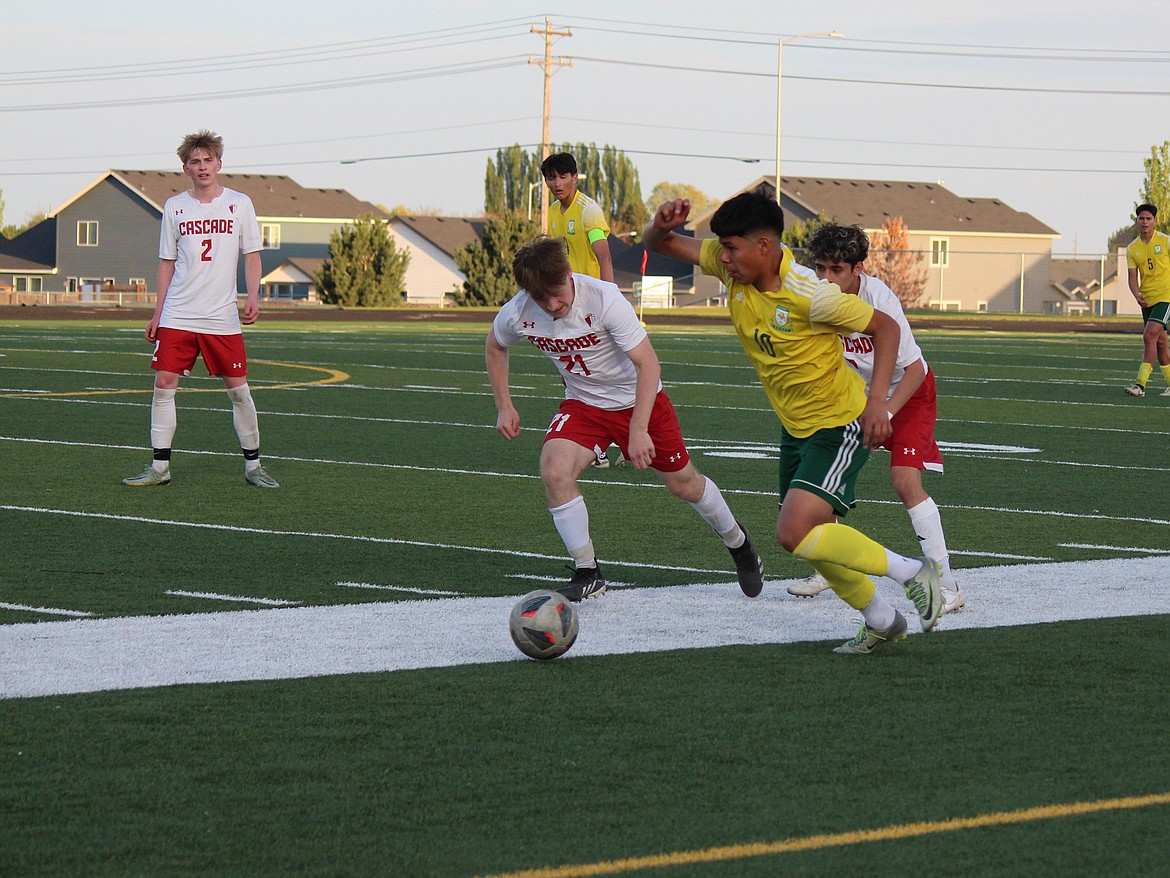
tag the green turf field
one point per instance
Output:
(773, 758)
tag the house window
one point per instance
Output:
(939, 252)
(87, 233)
(270, 236)
(138, 282)
(71, 285)
(26, 284)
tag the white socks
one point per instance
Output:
(878, 613)
(162, 419)
(244, 417)
(928, 528)
(572, 523)
(715, 511)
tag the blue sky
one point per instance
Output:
(403, 103)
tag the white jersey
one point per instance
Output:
(859, 347)
(588, 344)
(205, 242)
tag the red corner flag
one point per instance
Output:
(645, 254)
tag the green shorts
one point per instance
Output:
(1158, 313)
(827, 464)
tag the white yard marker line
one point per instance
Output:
(48, 611)
(405, 588)
(1135, 549)
(211, 596)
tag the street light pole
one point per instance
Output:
(780, 87)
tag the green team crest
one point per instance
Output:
(780, 319)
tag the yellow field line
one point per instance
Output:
(817, 842)
(335, 376)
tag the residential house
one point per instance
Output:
(979, 253)
(27, 264)
(1087, 286)
(107, 234)
(432, 241)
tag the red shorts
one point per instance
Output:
(175, 350)
(597, 429)
(912, 443)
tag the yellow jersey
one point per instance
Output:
(1152, 261)
(792, 338)
(580, 225)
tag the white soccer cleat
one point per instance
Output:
(1135, 390)
(149, 477)
(954, 599)
(809, 587)
(1165, 392)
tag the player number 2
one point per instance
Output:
(205, 256)
(572, 362)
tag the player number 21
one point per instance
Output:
(572, 362)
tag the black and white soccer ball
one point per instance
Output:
(543, 624)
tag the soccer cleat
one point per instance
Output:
(809, 587)
(260, 478)
(587, 582)
(868, 639)
(953, 599)
(149, 476)
(621, 458)
(749, 567)
(924, 590)
(1165, 392)
(601, 462)
(1136, 390)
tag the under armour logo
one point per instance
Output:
(529, 324)
(912, 451)
(237, 365)
(674, 458)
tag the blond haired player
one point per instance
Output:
(613, 395)
(789, 325)
(204, 231)
(1148, 261)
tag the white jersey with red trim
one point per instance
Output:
(205, 242)
(859, 347)
(588, 344)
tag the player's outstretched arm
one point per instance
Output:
(507, 418)
(875, 419)
(660, 237)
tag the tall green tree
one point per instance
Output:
(609, 177)
(1156, 186)
(364, 268)
(509, 177)
(487, 263)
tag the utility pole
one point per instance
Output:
(548, 64)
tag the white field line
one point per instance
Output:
(233, 598)
(48, 611)
(93, 655)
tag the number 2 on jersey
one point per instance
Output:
(205, 256)
(572, 362)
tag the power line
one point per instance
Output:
(292, 88)
(772, 75)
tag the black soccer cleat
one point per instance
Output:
(749, 567)
(587, 582)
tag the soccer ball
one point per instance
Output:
(543, 624)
